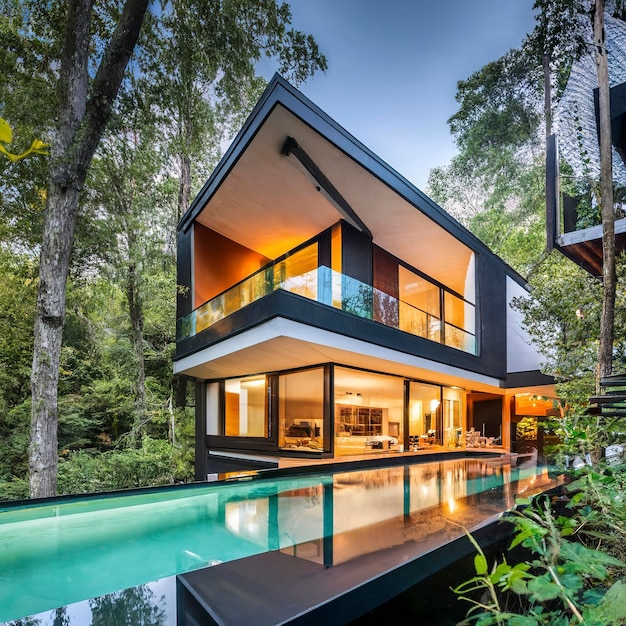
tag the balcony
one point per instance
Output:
(339, 291)
(573, 221)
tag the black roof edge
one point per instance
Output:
(530, 378)
(274, 94)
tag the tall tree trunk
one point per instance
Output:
(58, 235)
(135, 310)
(82, 121)
(184, 185)
(607, 321)
(57, 241)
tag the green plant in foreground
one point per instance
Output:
(564, 582)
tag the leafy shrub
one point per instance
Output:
(14, 488)
(566, 578)
(151, 465)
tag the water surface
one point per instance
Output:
(109, 551)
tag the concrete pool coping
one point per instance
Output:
(277, 588)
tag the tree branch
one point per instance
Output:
(109, 78)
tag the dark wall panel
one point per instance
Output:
(491, 327)
(293, 307)
(356, 254)
(488, 416)
(386, 272)
(184, 299)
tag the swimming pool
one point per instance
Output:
(62, 552)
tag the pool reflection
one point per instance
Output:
(360, 512)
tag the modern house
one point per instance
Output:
(328, 308)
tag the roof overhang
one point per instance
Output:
(270, 200)
(584, 246)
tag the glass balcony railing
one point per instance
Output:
(339, 291)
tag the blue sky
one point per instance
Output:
(394, 66)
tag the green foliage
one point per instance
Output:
(495, 186)
(563, 581)
(17, 304)
(152, 464)
(15, 436)
(574, 551)
(562, 318)
(498, 114)
(190, 85)
(599, 492)
(27, 96)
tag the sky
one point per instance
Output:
(393, 67)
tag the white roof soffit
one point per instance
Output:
(284, 344)
(269, 204)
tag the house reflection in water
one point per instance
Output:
(356, 513)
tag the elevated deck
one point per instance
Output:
(276, 588)
(584, 247)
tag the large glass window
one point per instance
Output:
(424, 414)
(419, 305)
(460, 327)
(301, 410)
(368, 412)
(442, 310)
(453, 408)
(245, 407)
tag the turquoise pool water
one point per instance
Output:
(64, 552)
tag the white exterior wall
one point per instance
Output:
(521, 355)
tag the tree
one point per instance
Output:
(84, 108)
(205, 71)
(607, 321)
(498, 131)
(125, 193)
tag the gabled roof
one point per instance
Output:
(269, 199)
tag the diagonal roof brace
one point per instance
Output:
(323, 185)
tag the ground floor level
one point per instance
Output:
(332, 411)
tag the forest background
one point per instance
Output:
(124, 420)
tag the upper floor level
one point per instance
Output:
(301, 221)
